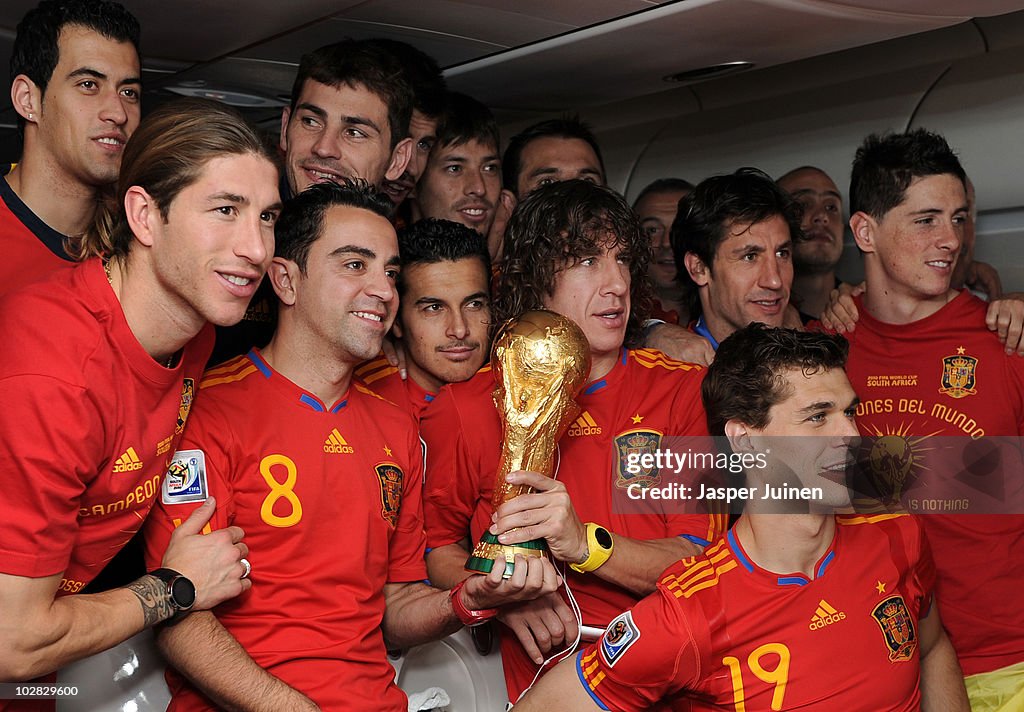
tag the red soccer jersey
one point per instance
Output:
(646, 395)
(948, 375)
(329, 498)
(383, 378)
(721, 633)
(32, 248)
(658, 311)
(89, 421)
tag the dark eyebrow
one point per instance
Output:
(96, 74)
(827, 405)
(87, 72)
(811, 191)
(592, 172)
(820, 405)
(311, 108)
(360, 121)
(353, 249)
(747, 247)
(477, 295)
(230, 197)
(545, 171)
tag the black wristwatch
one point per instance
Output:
(181, 593)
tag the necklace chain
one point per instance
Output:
(110, 281)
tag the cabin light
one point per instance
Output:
(230, 97)
(714, 70)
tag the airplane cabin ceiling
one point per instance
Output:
(521, 57)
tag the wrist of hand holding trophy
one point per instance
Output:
(599, 549)
(467, 616)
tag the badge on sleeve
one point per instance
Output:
(619, 636)
(185, 480)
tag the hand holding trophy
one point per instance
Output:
(541, 360)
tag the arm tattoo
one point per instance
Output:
(152, 594)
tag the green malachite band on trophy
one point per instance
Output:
(490, 543)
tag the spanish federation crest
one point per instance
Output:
(897, 627)
(636, 443)
(390, 476)
(188, 389)
(958, 375)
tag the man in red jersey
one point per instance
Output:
(926, 365)
(575, 248)
(798, 607)
(75, 86)
(443, 316)
(98, 384)
(326, 478)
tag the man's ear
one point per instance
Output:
(739, 436)
(400, 158)
(26, 98)
(143, 213)
(282, 140)
(283, 275)
(696, 268)
(864, 228)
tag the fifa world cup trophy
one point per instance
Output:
(541, 360)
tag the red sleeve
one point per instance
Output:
(452, 485)
(645, 655)
(54, 443)
(201, 468)
(1015, 375)
(405, 559)
(923, 576)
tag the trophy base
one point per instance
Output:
(490, 550)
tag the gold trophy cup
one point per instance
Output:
(541, 360)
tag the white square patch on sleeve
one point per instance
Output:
(185, 480)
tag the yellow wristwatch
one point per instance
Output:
(599, 548)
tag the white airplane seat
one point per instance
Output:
(127, 678)
(473, 681)
(130, 677)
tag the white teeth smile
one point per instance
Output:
(109, 141)
(238, 281)
(475, 212)
(938, 263)
(325, 176)
(366, 315)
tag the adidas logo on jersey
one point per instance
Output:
(128, 462)
(336, 445)
(584, 425)
(825, 615)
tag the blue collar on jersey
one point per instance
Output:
(702, 328)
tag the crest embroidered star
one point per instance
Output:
(637, 419)
(387, 451)
(880, 587)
